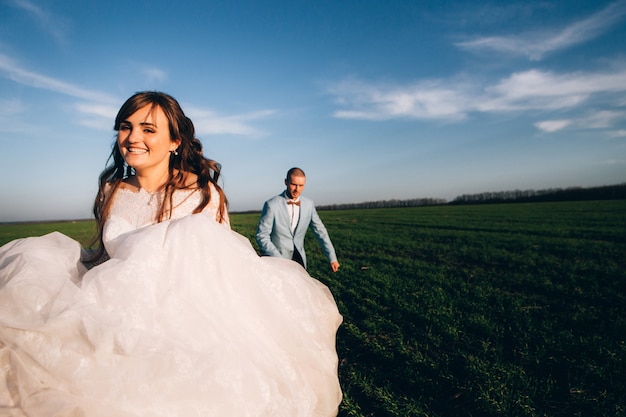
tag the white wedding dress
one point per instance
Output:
(183, 320)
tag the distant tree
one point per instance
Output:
(606, 192)
(416, 202)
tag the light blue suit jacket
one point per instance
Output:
(274, 234)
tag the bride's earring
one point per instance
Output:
(175, 152)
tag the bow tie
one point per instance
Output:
(297, 203)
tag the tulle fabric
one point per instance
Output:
(184, 319)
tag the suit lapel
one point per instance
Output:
(302, 216)
(285, 213)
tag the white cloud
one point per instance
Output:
(603, 119)
(614, 162)
(91, 114)
(208, 122)
(10, 112)
(536, 89)
(424, 100)
(11, 70)
(99, 109)
(621, 133)
(453, 99)
(154, 74)
(10, 108)
(54, 25)
(96, 116)
(552, 125)
(538, 44)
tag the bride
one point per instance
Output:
(179, 316)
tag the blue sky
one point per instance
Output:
(375, 100)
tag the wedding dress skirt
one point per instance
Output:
(183, 320)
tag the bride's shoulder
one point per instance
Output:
(112, 187)
(124, 184)
(190, 180)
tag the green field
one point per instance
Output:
(486, 310)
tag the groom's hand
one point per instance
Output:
(334, 266)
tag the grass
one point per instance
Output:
(487, 310)
(513, 310)
(81, 230)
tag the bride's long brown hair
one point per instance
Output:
(188, 158)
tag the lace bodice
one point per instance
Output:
(133, 210)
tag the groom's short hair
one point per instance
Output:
(295, 171)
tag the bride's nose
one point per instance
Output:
(134, 136)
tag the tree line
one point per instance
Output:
(385, 204)
(605, 192)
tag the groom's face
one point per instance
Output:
(295, 185)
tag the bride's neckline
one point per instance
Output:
(144, 191)
(132, 184)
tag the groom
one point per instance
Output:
(285, 219)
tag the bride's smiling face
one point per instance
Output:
(144, 139)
